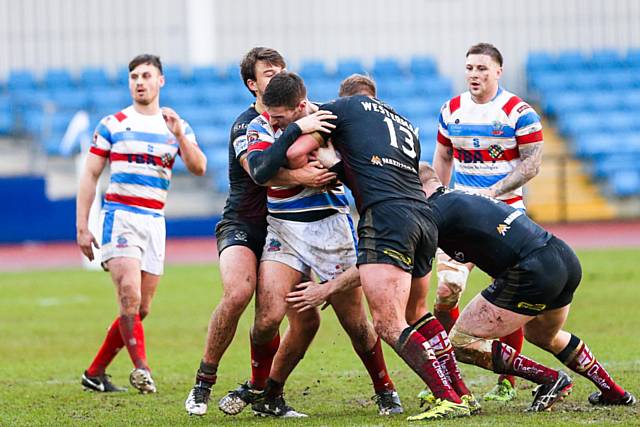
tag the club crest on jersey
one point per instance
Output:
(375, 160)
(495, 151)
(252, 137)
(121, 242)
(497, 128)
(274, 246)
(166, 160)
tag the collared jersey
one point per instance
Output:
(141, 151)
(292, 199)
(485, 139)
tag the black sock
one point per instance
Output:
(206, 376)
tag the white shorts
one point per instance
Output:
(134, 235)
(326, 247)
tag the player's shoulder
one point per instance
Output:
(453, 104)
(241, 123)
(117, 118)
(513, 104)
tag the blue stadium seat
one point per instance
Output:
(51, 143)
(70, 98)
(58, 78)
(216, 94)
(588, 80)
(198, 116)
(396, 89)
(423, 66)
(632, 59)
(540, 62)
(172, 74)
(323, 90)
(212, 136)
(113, 98)
(21, 79)
(231, 73)
(566, 102)
(625, 183)
(575, 124)
(604, 101)
(387, 67)
(620, 79)
(605, 166)
(205, 74)
(122, 76)
(571, 60)
(436, 87)
(94, 77)
(549, 83)
(6, 116)
(32, 121)
(178, 95)
(311, 69)
(606, 59)
(631, 100)
(348, 66)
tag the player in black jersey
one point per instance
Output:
(241, 232)
(534, 277)
(397, 235)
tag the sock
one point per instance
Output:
(110, 347)
(415, 350)
(430, 328)
(446, 315)
(133, 337)
(508, 361)
(514, 340)
(373, 360)
(261, 360)
(273, 389)
(206, 375)
(577, 357)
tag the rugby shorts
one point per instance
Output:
(543, 280)
(325, 247)
(401, 233)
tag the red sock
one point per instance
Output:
(415, 350)
(446, 316)
(430, 328)
(373, 360)
(261, 360)
(577, 357)
(110, 347)
(508, 361)
(133, 337)
(514, 340)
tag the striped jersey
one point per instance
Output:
(141, 151)
(297, 200)
(485, 139)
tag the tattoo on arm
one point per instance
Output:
(531, 159)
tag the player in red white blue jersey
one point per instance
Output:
(493, 140)
(140, 143)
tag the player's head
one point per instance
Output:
(428, 178)
(483, 70)
(258, 66)
(285, 98)
(145, 78)
(357, 84)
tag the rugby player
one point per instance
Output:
(493, 140)
(140, 143)
(240, 238)
(309, 231)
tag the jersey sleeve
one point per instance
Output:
(528, 127)
(101, 143)
(259, 136)
(336, 107)
(443, 129)
(189, 133)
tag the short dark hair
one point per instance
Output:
(486, 49)
(357, 84)
(286, 89)
(146, 58)
(248, 63)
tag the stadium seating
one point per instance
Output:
(210, 98)
(595, 101)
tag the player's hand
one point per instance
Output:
(317, 122)
(307, 296)
(326, 155)
(489, 192)
(173, 121)
(313, 174)
(87, 241)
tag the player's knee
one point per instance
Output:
(237, 300)
(266, 326)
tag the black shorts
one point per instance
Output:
(544, 280)
(401, 233)
(237, 233)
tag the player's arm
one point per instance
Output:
(194, 159)
(312, 174)
(531, 159)
(86, 194)
(443, 162)
(264, 164)
(311, 294)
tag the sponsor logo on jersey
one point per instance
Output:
(533, 307)
(496, 151)
(401, 257)
(502, 229)
(240, 236)
(121, 242)
(239, 127)
(458, 256)
(166, 160)
(522, 108)
(274, 246)
(375, 160)
(497, 128)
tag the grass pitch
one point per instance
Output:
(52, 323)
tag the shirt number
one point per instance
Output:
(408, 147)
